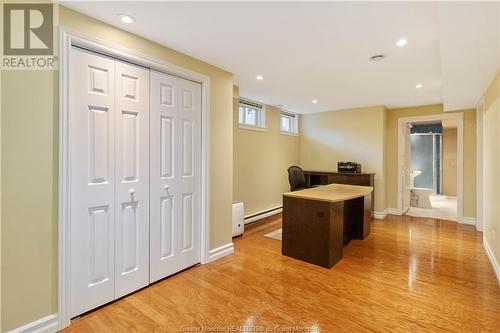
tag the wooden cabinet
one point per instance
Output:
(317, 225)
(325, 178)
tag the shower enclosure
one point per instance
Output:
(426, 157)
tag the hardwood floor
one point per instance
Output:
(410, 275)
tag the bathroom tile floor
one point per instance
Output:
(443, 207)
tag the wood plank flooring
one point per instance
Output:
(410, 275)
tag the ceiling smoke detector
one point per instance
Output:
(377, 57)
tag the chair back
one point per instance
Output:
(296, 178)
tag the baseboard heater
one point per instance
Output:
(262, 215)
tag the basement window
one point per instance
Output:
(289, 123)
(252, 115)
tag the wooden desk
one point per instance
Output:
(326, 177)
(317, 222)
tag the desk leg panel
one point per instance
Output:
(368, 215)
(357, 215)
(312, 231)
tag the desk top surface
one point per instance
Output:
(313, 172)
(331, 193)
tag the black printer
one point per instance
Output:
(351, 167)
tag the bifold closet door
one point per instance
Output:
(175, 174)
(109, 176)
(92, 140)
(132, 178)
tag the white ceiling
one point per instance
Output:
(320, 50)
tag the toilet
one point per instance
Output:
(419, 197)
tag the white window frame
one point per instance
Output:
(260, 115)
(294, 123)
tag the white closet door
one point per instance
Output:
(92, 200)
(189, 166)
(132, 178)
(175, 174)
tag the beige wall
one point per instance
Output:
(491, 167)
(369, 136)
(348, 135)
(469, 168)
(260, 160)
(1, 15)
(449, 163)
(29, 170)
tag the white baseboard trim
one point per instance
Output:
(220, 252)
(394, 211)
(47, 324)
(262, 215)
(468, 220)
(380, 215)
(493, 260)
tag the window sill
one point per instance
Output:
(289, 133)
(253, 128)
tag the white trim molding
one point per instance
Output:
(468, 220)
(47, 324)
(220, 252)
(380, 215)
(68, 39)
(479, 226)
(394, 211)
(262, 215)
(493, 260)
(480, 110)
(458, 116)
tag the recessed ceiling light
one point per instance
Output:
(401, 42)
(418, 86)
(377, 57)
(314, 101)
(126, 18)
(259, 77)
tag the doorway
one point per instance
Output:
(433, 157)
(430, 164)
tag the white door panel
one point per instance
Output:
(190, 119)
(132, 178)
(135, 175)
(163, 171)
(109, 131)
(91, 86)
(175, 174)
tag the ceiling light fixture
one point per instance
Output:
(126, 18)
(314, 101)
(402, 42)
(418, 86)
(259, 77)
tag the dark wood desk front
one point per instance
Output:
(318, 222)
(325, 178)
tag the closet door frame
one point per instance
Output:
(68, 39)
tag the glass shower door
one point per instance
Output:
(422, 157)
(426, 157)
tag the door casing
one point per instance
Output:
(69, 38)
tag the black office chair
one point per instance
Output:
(296, 178)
